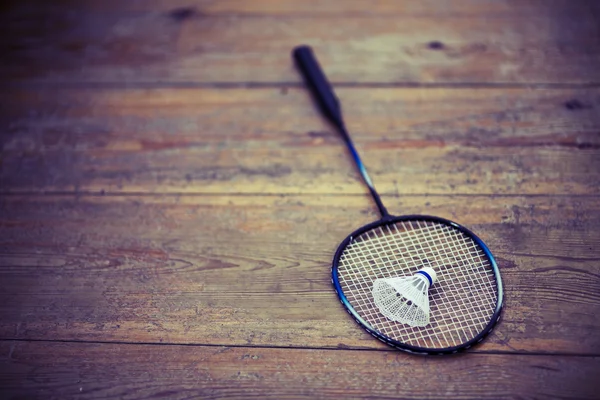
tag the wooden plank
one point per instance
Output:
(78, 370)
(202, 42)
(314, 8)
(414, 141)
(254, 270)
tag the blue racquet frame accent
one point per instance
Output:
(389, 220)
(363, 172)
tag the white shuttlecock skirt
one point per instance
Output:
(405, 299)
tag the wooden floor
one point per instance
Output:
(170, 200)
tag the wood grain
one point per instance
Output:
(414, 141)
(170, 200)
(464, 42)
(71, 370)
(314, 8)
(254, 270)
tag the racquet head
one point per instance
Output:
(465, 301)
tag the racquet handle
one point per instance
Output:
(318, 84)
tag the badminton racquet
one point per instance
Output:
(466, 300)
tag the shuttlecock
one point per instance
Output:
(405, 299)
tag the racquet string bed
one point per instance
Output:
(463, 299)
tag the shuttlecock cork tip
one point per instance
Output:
(429, 273)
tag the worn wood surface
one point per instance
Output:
(256, 270)
(390, 42)
(415, 141)
(170, 200)
(75, 370)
